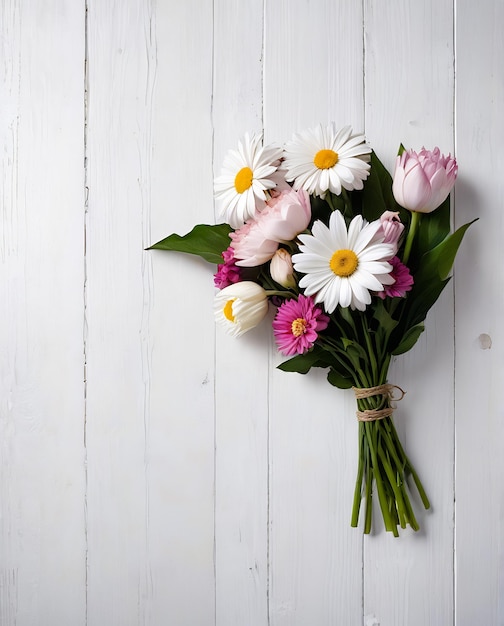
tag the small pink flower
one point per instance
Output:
(251, 247)
(286, 215)
(391, 229)
(227, 273)
(403, 281)
(423, 181)
(297, 324)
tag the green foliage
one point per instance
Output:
(377, 196)
(206, 241)
(316, 357)
(409, 339)
(338, 380)
(430, 278)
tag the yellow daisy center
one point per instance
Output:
(228, 310)
(344, 262)
(298, 327)
(325, 159)
(243, 180)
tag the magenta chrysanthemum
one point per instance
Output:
(228, 272)
(403, 281)
(297, 324)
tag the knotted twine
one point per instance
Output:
(371, 415)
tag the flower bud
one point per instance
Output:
(240, 307)
(391, 229)
(281, 269)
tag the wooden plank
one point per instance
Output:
(182, 370)
(409, 78)
(241, 385)
(313, 74)
(150, 418)
(479, 306)
(42, 478)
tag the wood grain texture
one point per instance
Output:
(182, 419)
(479, 305)
(242, 373)
(42, 532)
(150, 430)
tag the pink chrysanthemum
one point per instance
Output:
(297, 324)
(228, 272)
(403, 281)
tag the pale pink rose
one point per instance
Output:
(281, 269)
(251, 247)
(391, 229)
(286, 215)
(423, 181)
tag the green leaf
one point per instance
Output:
(434, 228)
(382, 316)
(206, 241)
(430, 280)
(377, 196)
(409, 340)
(316, 357)
(354, 350)
(439, 261)
(338, 380)
(420, 300)
(449, 249)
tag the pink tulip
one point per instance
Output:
(423, 181)
(251, 247)
(285, 215)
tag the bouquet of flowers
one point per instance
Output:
(351, 258)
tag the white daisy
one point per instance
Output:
(324, 159)
(246, 174)
(341, 267)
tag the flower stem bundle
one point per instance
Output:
(382, 460)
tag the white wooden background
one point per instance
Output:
(154, 471)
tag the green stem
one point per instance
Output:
(415, 221)
(371, 352)
(358, 481)
(382, 496)
(329, 200)
(396, 489)
(408, 467)
(283, 294)
(348, 203)
(369, 501)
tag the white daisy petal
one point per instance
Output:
(359, 291)
(331, 296)
(342, 137)
(340, 267)
(323, 159)
(354, 230)
(366, 280)
(246, 173)
(345, 293)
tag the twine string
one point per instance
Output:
(386, 390)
